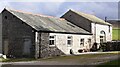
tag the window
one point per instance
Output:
(102, 37)
(5, 17)
(52, 40)
(82, 42)
(71, 25)
(89, 42)
(69, 40)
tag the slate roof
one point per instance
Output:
(91, 17)
(47, 23)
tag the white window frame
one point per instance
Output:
(50, 39)
(69, 39)
(89, 42)
(109, 29)
(102, 36)
(82, 44)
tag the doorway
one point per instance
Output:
(5, 47)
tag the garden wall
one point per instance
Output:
(112, 46)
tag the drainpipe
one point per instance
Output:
(40, 45)
(36, 45)
(95, 33)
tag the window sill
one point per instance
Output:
(68, 45)
(51, 45)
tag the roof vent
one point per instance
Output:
(71, 25)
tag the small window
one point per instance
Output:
(52, 40)
(69, 40)
(52, 37)
(71, 25)
(5, 17)
(89, 42)
(82, 42)
(101, 39)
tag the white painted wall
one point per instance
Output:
(61, 42)
(99, 27)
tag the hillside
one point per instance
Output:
(116, 29)
(115, 23)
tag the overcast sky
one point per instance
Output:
(57, 9)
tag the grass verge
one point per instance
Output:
(84, 56)
(113, 63)
(62, 58)
(17, 59)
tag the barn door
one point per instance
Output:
(27, 46)
(5, 49)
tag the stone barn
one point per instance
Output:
(101, 30)
(32, 35)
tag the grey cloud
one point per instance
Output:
(100, 9)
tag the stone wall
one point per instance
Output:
(18, 37)
(46, 50)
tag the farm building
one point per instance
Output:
(32, 35)
(101, 30)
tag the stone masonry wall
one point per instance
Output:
(46, 50)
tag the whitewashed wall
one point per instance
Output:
(61, 42)
(99, 27)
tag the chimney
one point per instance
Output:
(105, 19)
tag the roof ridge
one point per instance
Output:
(82, 12)
(31, 13)
(35, 14)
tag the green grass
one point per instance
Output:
(84, 56)
(114, 63)
(16, 60)
(78, 58)
(116, 34)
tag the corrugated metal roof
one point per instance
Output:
(47, 23)
(91, 17)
